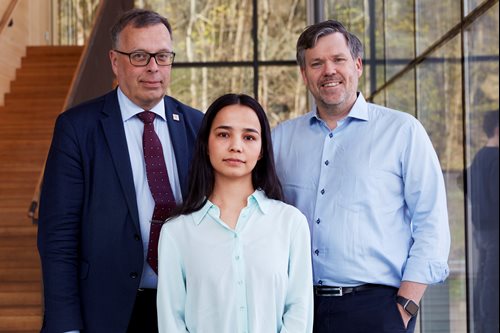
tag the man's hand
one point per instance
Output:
(404, 315)
(413, 291)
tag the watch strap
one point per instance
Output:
(410, 306)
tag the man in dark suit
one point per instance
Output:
(96, 205)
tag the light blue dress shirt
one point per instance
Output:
(134, 128)
(373, 193)
(253, 279)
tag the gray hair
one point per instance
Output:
(138, 18)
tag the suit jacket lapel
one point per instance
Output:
(112, 126)
(177, 130)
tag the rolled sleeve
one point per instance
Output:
(425, 196)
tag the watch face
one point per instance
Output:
(411, 308)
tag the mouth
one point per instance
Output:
(330, 84)
(151, 83)
(233, 161)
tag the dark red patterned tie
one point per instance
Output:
(159, 184)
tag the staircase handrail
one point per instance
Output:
(93, 75)
(7, 14)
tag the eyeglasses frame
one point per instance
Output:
(151, 55)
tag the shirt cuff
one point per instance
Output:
(425, 272)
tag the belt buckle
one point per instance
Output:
(333, 291)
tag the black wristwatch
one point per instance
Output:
(410, 307)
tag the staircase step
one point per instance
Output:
(20, 311)
(22, 323)
(21, 253)
(20, 298)
(19, 241)
(54, 50)
(35, 94)
(28, 115)
(20, 274)
(48, 101)
(57, 82)
(16, 231)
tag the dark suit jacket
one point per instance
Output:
(88, 235)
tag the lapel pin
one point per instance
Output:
(176, 117)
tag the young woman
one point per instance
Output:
(235, 259)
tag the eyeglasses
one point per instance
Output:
(141, 58)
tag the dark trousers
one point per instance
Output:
(144, 318)
(486, 304)
(368, 311)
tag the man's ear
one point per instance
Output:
(304, 77)
(113, 59)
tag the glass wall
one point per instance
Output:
(437, 60)
(243, 46)
(481, 147)
(74, 20)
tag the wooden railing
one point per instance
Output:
(4, 21)
(93, 76)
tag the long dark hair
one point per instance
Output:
(201, 175)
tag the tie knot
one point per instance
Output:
(147, 117)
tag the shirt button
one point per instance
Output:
(323, 191)
(237, 257)
(327, 162)
(330, 135)
(317, 252)
(133, 275)
(318, 221)
(320, 282)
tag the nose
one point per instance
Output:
(235, 145)
(152, 65)
(330, 68)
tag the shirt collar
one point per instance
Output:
(258, 198)
(129, 109)
(358, 111)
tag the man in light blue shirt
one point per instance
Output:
(370, 184)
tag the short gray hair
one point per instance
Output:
(138, 18)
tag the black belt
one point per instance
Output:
(340, 291)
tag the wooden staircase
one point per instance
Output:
(36, 97)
